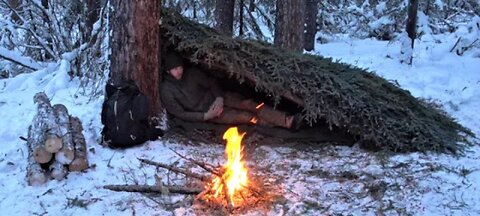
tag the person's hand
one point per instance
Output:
(215, 110)
(218, 103)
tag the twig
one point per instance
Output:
(454, 46)
(175, 169)
(203, 165)
(152, 189)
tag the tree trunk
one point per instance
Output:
(92, 15)
(289, 24)
(67, 153)
(240, 19)
(412, 23)
(224, 16)
(80, 163)
(251, 6)
(35, 174)
(311, 11)
(135, 45)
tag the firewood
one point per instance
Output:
(67, 152)
(46, 117)
(40, 124)
(80, 162)
(176, 170)
(35, 174)
(57, 170)
(152, 189)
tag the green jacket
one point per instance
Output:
(190, 97)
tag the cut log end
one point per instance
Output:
(58, 171)
(41, 155)
(78, 165)
(65, 156)
(36, 178)
(53, 144)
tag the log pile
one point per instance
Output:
(56, 144)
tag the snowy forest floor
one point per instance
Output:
(317, 180)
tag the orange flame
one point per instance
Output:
(254, 120)
(235, 175)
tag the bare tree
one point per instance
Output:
(411, 27)
(311, 11)
(135, 45)
(224, 16)
(289, 24)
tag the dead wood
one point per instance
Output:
(176, 170)
(207, 167)
(80, 162)
(35, 174)
(152, 189)
(67, 153)
(57, 170)
(42, 122)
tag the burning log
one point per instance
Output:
(153, 189)
(80, 162)
(67, 152)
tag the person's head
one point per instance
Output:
(174, 65)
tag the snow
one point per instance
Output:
(318, 180)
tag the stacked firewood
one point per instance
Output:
(55, 142)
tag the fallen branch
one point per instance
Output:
(203, 165)
(152, 189)
(175, 169)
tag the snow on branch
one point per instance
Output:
(17, 58)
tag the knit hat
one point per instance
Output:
(172, 60)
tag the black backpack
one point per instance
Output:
(125, 116)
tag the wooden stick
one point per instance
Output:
(175, 169)
(152, 189)
(80, 162)
(203, 165)
(67, 153)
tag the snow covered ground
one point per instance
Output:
(318, 181)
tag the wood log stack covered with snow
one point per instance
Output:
(55, 142)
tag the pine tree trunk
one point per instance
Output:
(135, 45)
(289, 24)
(224, 16)
(251, 6)
(412, 23)
(311, 11)
(240, 21)
(80, 163)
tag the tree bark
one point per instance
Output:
(251, 6)
(412, 23)
(43, 121)
(92, 13)
(67, 153)
(152, 189)
(80, 163)
(289, 24)
(35, 174)
(240, 18)
(311, 11)
(135, 45)
(224, 16)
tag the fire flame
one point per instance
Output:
(235, 176)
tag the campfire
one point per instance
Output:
(230, 186)
(234, 179)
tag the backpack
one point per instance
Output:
(125, 116)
